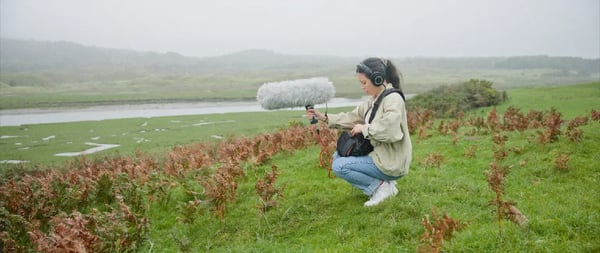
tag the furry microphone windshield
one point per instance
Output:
(295, 93)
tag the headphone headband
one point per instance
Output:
(375, 77)
(365, 69)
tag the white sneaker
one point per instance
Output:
(385, 190)
(394, 189)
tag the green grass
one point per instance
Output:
(326, 215)
(570, 100)
(319, 214)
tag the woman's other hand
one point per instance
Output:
(357, 129)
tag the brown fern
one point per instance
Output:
(266, 190)
(220, 188)
(595, 115)
(471, 152)
(561, 162)
(573, 132)
(433, 160)
(552, 130)
(493, 122)
(436, 232)
(454, 126)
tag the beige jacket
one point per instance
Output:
(388, 132)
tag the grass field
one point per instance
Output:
(326, 215)
(319, 214)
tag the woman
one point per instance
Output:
(375, 173)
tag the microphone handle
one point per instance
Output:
(314, 119)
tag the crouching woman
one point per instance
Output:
(375, 174)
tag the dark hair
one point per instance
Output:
(390, 72)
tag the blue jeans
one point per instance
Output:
(360, 172)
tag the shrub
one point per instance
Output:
(452, 100)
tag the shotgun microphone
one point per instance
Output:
(295, 93)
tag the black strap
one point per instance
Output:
(378, 101)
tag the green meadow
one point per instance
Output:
(38, 143)
(321, 214)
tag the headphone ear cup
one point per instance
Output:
(377, 79)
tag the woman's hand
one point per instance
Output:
(311, 112)
(357, 129)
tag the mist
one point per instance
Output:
(462, 28)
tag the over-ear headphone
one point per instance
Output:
(375, 77)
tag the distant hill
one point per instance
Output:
(30, 55)
(258, 59)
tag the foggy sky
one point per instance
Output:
(388, 28)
